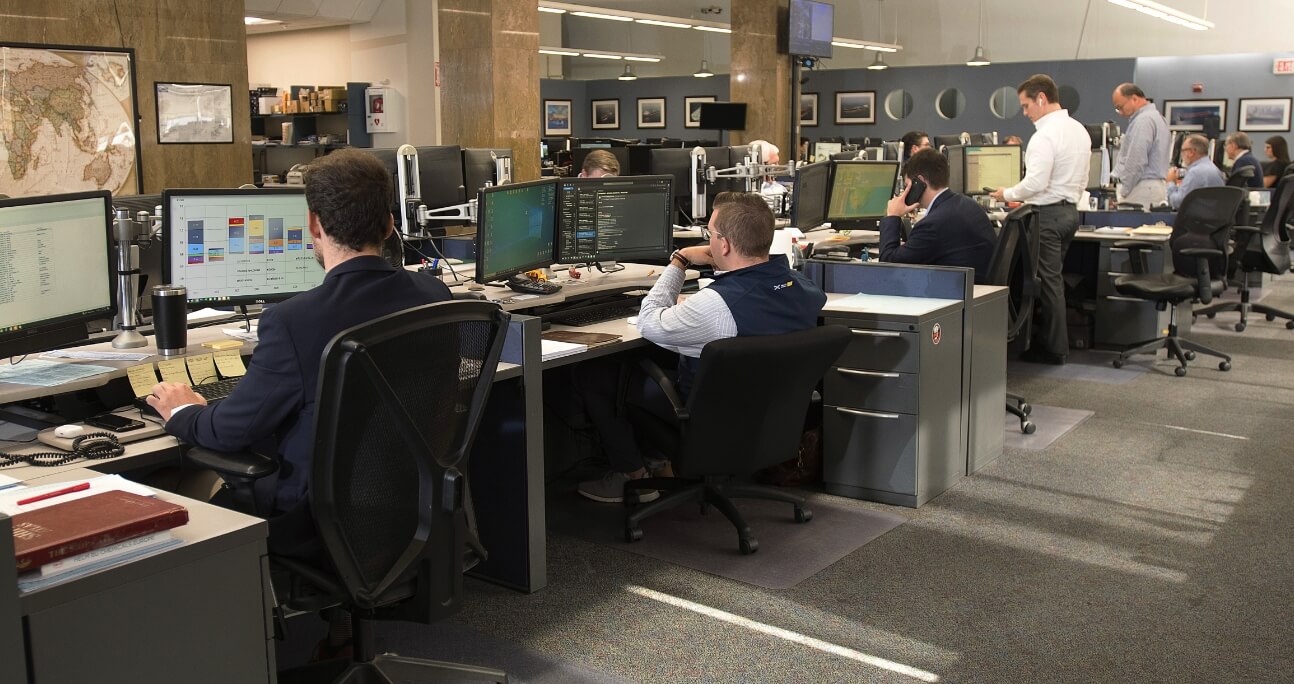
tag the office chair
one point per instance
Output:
(1015, 266)
(398, 405)
(1263, 249)
(1199, 252)
(745, 413)
(1239, 178)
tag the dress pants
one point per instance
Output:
(1148, 193)
(1057, 224)
(607, 388)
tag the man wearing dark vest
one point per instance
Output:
(750, 295)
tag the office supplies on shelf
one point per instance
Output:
(72, 527)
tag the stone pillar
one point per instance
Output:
(760, 74)
(489, 57)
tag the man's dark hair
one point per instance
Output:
(1040, 83)
(930, 165)
(911, 138)
(351, 193)
(601, 159)
(745, 219)
(1131, 90)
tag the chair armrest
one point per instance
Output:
(654, 372)
(1140, 262)
(238, 465)
(1252, 230)
(1203, 281)
(1133, 206)
(1202, 251)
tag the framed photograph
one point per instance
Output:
(1265, 114)
(858, 107)
(194, 113)
(651, 112)
(809, 109)
(1190, 115)
(557, 117)
(692, 109)
(606, 114)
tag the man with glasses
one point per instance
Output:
(751, 295)
(1056, 161)
(1200, 171)
(1145, 150)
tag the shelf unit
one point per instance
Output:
(278, 156)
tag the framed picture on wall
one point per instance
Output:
(651, 112)
(194, 113)
(606, 114)
(1190, 115)
(857, 107)
(692, 109)
(1265, 114)
(809, 109)
(557, 117)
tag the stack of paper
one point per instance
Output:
(552, 349)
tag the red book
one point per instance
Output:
(66, 529)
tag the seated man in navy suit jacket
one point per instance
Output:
(955, 230)
(348, 194)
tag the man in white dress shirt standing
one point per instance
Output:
(1056, 163)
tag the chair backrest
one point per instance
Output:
(399, 401)
(1015, 265)
(1271, 251)
(749, 398)
(1240, 177)
(1204, 220)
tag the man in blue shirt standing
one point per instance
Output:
(1145, 151)
(1239, 149)
(1200, 172)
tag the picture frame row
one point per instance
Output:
(852, 107)
(605, 114)
(1257, 114)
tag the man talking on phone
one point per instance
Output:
(955, 230)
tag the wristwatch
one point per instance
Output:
(678, 254)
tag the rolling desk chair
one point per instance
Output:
(1240, 177)
(1199, 251)
(398, 405)
(1264, 249)
(1015, 266)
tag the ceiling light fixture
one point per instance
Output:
(661, 22)
(1168, 14)
(559, 51)
(598, 54)
(980, 58)
(704, 71)
(628, 75)
(865, 45)
(878, 64)
(598, 15)
(552, 10)
(256, 21)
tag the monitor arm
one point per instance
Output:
(129, 234)
(413, 211)
(751, 169)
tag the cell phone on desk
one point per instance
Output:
(916, 189)
(114, 422)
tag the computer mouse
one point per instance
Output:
(475, 287)
(68, 431)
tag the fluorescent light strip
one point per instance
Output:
(660, 22)
(257, 21)
(552, 10)
(865, 45)
(555, 51)
(598, 54)
(595, 15)
(713, 29)
(1158, 11)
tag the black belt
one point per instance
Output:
(1062, 203)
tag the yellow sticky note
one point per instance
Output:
(202, 368)
(174, 370)
(142, 379)
(230, 363)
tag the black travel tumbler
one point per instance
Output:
(170, 322)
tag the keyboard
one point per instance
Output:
(219, 389)
(535, 287)
(595, 314)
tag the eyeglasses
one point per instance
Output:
(706, 233)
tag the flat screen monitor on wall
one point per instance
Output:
(723, 116)
(809, 28)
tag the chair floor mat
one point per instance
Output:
(1052, 421)
(788, 553)
(1083, 364)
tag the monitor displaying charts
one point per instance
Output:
(860, 189)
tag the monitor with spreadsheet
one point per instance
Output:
(860, 189)
(56, 270)
(614, 219)
(990, 166)
(515, 229)
(239, 246)
(809, 196)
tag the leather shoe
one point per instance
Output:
(1040, 356)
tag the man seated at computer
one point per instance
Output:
(955, 230)
(1200, 171)
(751, 295)
(349, 216)
(1239, 149)
(600, 163)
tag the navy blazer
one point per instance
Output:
(277, 396)
(954, 232)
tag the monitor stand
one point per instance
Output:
(608, 266)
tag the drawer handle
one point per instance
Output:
(872, 374)
(1117, 298)
(869, 414)
(876, 333)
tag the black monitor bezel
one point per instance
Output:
(482, 219)
(563, 257)
(797, 192)
(831, 188)
(67, 329)
(966, 161)
(168, 271)
(796, 10)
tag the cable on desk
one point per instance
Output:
(92, 447)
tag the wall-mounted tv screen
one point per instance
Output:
(809, 27)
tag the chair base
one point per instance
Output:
(1181, 349)
(389, 669)
(1018, 407)
(1244, 306)
(706, 492)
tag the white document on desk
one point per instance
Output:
(552, 349)
(10, 497)
(48, 373)
(95, 355)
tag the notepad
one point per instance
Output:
(202, 368)
(174, 370)
(230, 363)
(142, 379)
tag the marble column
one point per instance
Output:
(760, 74)
(489, 56)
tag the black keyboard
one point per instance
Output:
(536, 287)
(595, 314)
(219, 389)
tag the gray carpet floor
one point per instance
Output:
(1152, 543)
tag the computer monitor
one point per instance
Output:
(440, 176)
(822, 150)
(239, 246)
(614, 219)
(983, 166)
(809, 28)
(725, 116)
(809, 196)
(515, 229)
(56, 258)
(860, 190)
(1097, 173)
(479, 166)
(676, 162)
(941, 141)
(591, 143)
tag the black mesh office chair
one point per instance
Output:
(398, 405)
(745, 413)
(1015, 266)
(1239, 178)
(1263, 249)
(1199, 252)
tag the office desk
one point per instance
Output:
(1117, 321)
(197, 612)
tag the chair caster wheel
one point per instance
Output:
(1289, 325)
(748, 545)
(1028, 428)
(1211, 316)
(1026, 408)
(1180, 371)
(1224, 366)
(1118, 363)
(633, 534)
(1240, 327)
(803, 515)
(1271, 317)
(1190, 355)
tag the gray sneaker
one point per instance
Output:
(611, 489)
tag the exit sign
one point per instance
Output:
(1283, 66)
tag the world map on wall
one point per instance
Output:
(67, 118)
